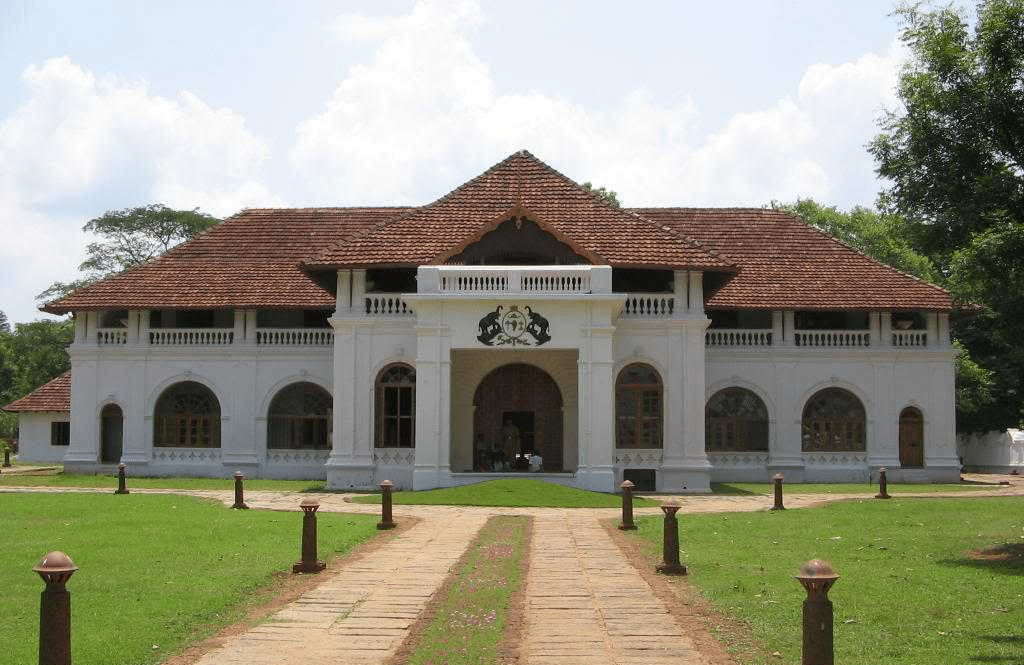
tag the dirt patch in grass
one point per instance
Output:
(1005, 553)
(691, 611)
(285, 588)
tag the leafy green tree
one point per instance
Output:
(880, 236)
(608, 195)
(5, 324)
(30, 356)
(954, 155)
(129, 238)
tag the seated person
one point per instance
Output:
(536, 462)
(499, 461)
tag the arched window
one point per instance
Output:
(735, 419)
(300, 417)
(638, 410)
(833, 420)
(396, 407)
(187, 415)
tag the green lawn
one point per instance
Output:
(61, 479)
(908, 592)
(867, 489)
(156, 571)
(510, 492)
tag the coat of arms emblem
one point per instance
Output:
(515, 326)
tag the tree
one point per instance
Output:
(131, 237)
(880, 236)
(954, 156)
(5, 324)
(29, 357)
(607, 195)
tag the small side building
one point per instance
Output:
(44, 421)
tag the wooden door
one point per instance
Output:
(911, 437)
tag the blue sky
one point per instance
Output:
(223, 105)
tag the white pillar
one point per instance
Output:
(685, 466)
(433, 398)
(596, 406)
(349, 465)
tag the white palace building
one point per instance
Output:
(519, 316)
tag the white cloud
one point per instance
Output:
(423, 115)
(81, 144)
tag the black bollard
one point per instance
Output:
(239, 492)
(121, 482)
(627, 506)
(56, 568)
(883, 486)
(386, 521)
(817, 577)
(778, 492)
(670, 545)
(309, 562)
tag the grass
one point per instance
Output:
(909, 592)
(470, 621)
(156, 571)
(509, 493)
(868, 489)
(61, 479)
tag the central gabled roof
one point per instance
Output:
(519, 186)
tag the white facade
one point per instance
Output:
(594, 333)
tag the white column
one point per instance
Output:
(596, 407)
(348, 466)
(685, 466)
(433, 398)
(789, 328)
(778, 336)
(875, 326)
(886, 328)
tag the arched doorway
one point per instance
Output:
(111, 434)
(517, 411)
(911, 437)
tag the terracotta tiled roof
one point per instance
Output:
(270, 258)
(249, 260)
(54, 395)
(786, 264)
(521, 185)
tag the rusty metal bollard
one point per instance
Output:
(309, 562)
(56, 568)
(817, 577)
(122, 487)
(670, 545)
(883, 486)
(386, 521)
(239, 492)
(627, 506)
(778, 492)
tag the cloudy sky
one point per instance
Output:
(109, 104)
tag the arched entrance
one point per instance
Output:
(517, 411)
(911, 437)
(111, 434)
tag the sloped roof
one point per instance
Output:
(521, 185)
(269, 258)
(55, 395)
(249, 260)
(787, 264)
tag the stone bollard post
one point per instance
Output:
(670, 545)
(386, 521)
(627, 506)
(778, 492)
(309, 562)
(239, 492)
(122, 487)
(817, 577)
(56, 568)
(883, 486)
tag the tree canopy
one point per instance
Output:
(30, 356)
(609, 196)
(129, 238)
(954, 158)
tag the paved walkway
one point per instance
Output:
(584, 602)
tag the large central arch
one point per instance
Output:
(517, 409)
